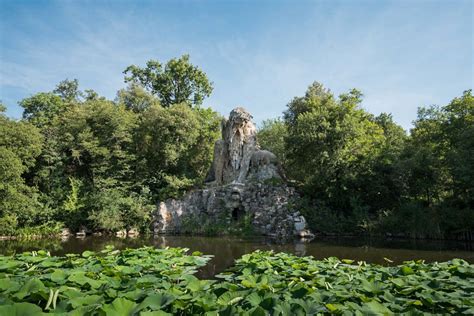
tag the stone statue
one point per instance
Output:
(237, 156)
(244, 182)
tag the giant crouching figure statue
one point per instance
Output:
(245, 187)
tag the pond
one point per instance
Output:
(227, 249)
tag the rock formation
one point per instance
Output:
(244, 186)
(237, 157)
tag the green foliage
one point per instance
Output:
(149, 281)
(177, 82)
(97, 137)
(22, 139)
(15, 197)
(112, 282)
(68, 90)
(332, 146)
(435, 170)
(271, 136)
(20, 144)
(73, 205)
(42, 109)
(174, 147)
(337, 286)
(94, 147)
(46, 229)
(136, 98)
(363, 174)
(84, 161)
(112, 210)
(8, 224)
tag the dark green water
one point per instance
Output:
(227, 249)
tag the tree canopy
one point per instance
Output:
(177, 82)
(364, 173)
(77, 159)
(81, 160)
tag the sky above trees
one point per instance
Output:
(400, 54)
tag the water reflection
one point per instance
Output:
(227, 249)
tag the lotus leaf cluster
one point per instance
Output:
(285, 284)
(149, 281)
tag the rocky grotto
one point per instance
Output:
(245, 186)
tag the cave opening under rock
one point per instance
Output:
(238, 213)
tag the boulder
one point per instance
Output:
(121, 233)
(133, 232)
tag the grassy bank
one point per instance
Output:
(50, 229)
(150, 281)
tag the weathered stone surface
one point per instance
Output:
(237, 156)
(243, 184)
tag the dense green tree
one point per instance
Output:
(422, 170)
(330, 143)
(435, 171)
(42, 108)
(98, 152)
(102, 162)
(271, 136)
(382, 184)
(14, 194)
(136, 98)
(68, 90)
(96, 137)
(177, 82)
(23, 139)
(113, 210)
(342, 157)
(458, 128)
(174, 147)
(20, 144)
(439, 153)
(201, 153)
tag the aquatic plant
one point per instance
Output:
(284, 284)
(110, 282)
(150, 281)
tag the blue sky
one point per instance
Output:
(259, 54)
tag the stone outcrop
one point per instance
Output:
(245, 186)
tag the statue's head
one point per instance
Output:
(240, 115)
